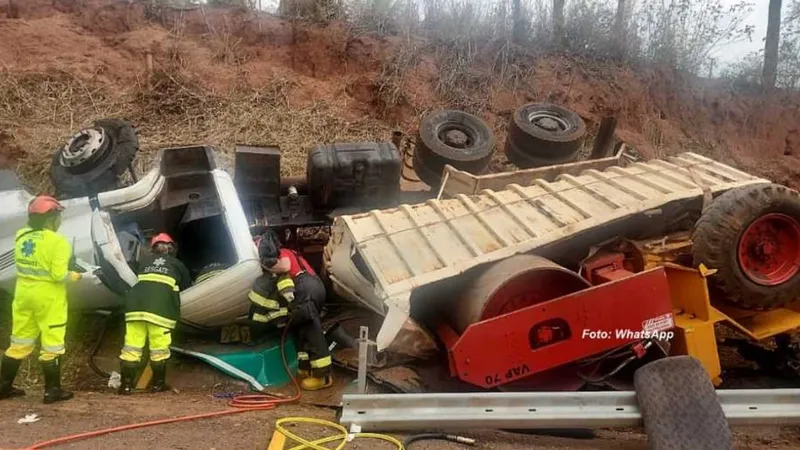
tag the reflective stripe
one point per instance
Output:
(302, 355)
(22, 341)
(260, 300)
(53, 348)
(322, 362)
(155, 319)
(16, 351)
(285, 283)
(286, 286)
(207, 275)
(260, 318)
(31, 272)
(132, 349)
(159, 352)
(158, 278)
(265, 318)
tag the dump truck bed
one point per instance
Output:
(381, 257)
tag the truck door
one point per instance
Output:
(115, 272)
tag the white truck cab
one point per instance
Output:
(186, 195)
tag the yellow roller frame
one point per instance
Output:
(695, 318)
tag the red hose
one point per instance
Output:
(240, 404)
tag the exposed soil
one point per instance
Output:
(226, 76)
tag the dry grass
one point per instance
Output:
(43, 109)
(461, 84)
(248, 114)
(391, 81)
(471, 41)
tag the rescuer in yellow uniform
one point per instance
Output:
(42, 258)
(152, 310)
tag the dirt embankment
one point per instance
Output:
(227, 76)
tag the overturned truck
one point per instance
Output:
(423, 261)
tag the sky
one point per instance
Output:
(758, 18)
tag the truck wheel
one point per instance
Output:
(452, 137)
(542, 134)
(94, 158)
(679, 406)
(751, 235)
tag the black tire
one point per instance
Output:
(100, 173)
(526, 161)
(529, 145)
(679, 406)
(716, 238)
(432, 152)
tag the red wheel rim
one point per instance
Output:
(769, 249)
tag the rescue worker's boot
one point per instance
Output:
(52, 383)
(315, 383)
(303, 365)
(8, 371)
(159, 376)
(127, 377)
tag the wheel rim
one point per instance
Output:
(455, 136)
(548, 121)
(82, 146)
(769, 249)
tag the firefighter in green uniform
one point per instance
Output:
(42, 258)
(152, 309)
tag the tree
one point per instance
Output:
(518, 32)
(558, 23)
(771, 46)
(320, 11)
(619, 31)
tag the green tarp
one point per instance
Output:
(259, 365)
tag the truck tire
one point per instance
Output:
(99, 172)
(751, 236)
(542, 134)
(452, 137)
(679, 406)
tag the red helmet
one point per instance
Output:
(161, 238)
(44, 204)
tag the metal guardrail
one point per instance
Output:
(408, 412)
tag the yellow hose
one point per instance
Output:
(317, 445)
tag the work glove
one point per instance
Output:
(95, 277)
(74, 276)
